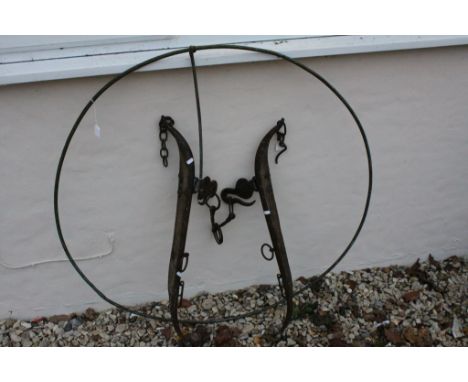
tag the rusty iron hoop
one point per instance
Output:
(189, 50)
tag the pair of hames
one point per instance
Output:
(206, 190)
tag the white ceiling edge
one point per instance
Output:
(113, 63)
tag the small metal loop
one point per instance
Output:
(218, 203)
(164, 152)
(218, 233)
(184, 263)
(270, 248)
(283, 125)
(163, 135)
(281, 286)
(181, 292)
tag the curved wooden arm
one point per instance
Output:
(179, 257)
(265, 189)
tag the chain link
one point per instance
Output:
(163, 152)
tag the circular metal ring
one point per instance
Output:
(117, 78)
(270, 248)
(218, 234)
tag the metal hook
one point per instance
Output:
(184, 263)
(280, 136)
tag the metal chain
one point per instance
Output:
(163, 152)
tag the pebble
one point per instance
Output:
(370, 313)
(207, 304)
(15, 338)
(26, 325)
(26, 343)
(291, 342)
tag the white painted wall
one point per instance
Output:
(118, 202)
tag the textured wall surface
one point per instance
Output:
(118, 202)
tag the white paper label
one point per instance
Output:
(97, 130)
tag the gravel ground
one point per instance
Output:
(421, 305)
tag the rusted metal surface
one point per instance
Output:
(179, 258)
(206, 190)
(265, 189)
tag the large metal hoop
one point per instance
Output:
(117, 78)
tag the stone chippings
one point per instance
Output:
(421, 305)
